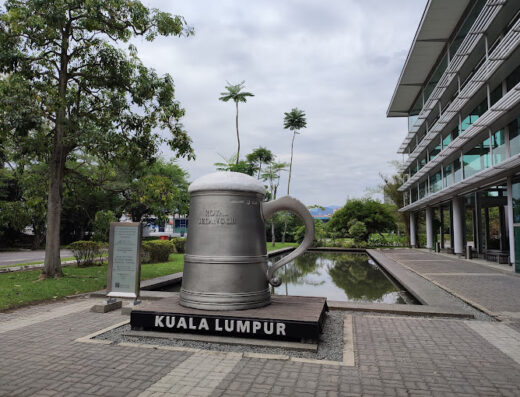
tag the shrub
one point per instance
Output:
(179, 244)
(87, 252)
(376, 240)
(102, 225)
(358, 231)
(156, 251)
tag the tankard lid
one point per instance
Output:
(227, 180)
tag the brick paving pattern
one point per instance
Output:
(497, 294)
(393, 356)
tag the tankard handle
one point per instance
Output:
(288, 203)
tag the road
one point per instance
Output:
(17, 257)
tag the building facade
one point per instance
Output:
(460, 90)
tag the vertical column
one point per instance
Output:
(509, 215)
(429, 228)
(458, 225)
(413, 240)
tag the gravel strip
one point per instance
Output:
(330, 346)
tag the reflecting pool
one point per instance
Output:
(340, 276)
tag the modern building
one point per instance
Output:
(460, 90)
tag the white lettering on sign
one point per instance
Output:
(256, 326)
(229, 326)
(158, 321)
(203, 324)
(243, 326)
(182, 323)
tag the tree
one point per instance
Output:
(258, 156)
(294, 121)
(272, 176)
(390, 187)
(234, 92)
(375, 216)
(158, 191)
(75, 92)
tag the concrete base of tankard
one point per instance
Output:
(224, 301)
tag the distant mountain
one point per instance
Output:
(326, 211)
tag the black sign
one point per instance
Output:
(225, 326)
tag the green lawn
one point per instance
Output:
(22, 288)
(277, 246)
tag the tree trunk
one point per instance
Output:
(52, 264)
(288, 185)
(238, 138)
(273, 238)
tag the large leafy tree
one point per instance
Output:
(294, 121)
(259, 156)
(375, 216)
(69, 89)
(234, 92)
(159, 190)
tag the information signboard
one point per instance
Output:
(124, 260)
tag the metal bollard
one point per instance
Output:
(438, 246)
(469, 252)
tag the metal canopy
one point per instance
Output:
(438, 22)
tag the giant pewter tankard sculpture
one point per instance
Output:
(225, 265)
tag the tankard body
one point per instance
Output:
(225, 264)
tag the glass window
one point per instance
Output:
(435, 77)
(455, 133)
(496, 94)
(414, 111)
(476, 159)
(448, 178)
(516, 202)
(422, 189)
(474, 115)
(421, 163)
(413, 168)
(435, 182)
(414, 194)
(457, 171)
(513, 78)
(465, 27)
(435, 151)
(499, 147)
(514, 137)
(446, 141)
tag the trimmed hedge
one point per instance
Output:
(179, 244)
(87, 252)
(157, 251)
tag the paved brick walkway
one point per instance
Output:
(394, 355)
(494, 292)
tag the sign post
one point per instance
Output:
(124, 265)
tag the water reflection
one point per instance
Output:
(338, 276)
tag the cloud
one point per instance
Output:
(339, 61)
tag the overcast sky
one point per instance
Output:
(338, 60)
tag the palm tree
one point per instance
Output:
(294, 121)
(258, 156)
(234, 92)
